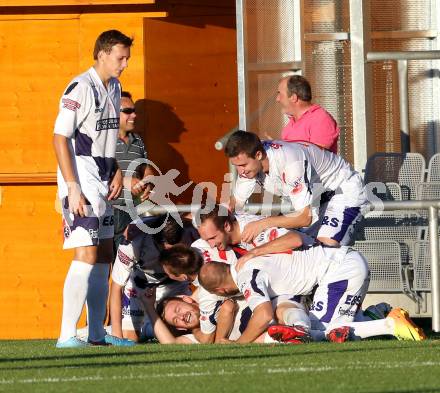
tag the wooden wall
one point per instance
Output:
(53, 45)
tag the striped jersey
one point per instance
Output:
(89, 117)
(126, 154)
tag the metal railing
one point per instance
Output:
(402, 69)
(431, 205)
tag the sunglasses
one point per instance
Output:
(128, 111)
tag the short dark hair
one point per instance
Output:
(172, 232)
(126, 94)
(217, 216)
(243, 142)
(108, 39)
(297, 84)
(181, 259)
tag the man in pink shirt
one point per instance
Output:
(308, 122)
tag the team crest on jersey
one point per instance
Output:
(71, 104)
(125, 259)
(247, 293)
(297, 186)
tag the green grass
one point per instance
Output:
(368, 366)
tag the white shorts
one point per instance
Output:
(341, 291)
(134, 315)
(86, 231)
(338, 220)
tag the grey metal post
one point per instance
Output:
(361, 83)
(402, 68)
(242, 64)
(435, 268)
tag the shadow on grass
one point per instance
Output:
(190, 356)
(417, 390)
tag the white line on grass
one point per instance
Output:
(282, 370)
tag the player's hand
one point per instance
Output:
(252, 230)
(136, 186)
(115, 187)
(146, 193)
(243, 260)
(77, 201)
(225, 341)
(149, 298)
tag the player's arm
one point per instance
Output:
(75, 197)
(258, 324)
(122, 268)
(148, 173)
(209, 305)
(116, 309)
(225, 319)
(242, 191)
(115, 186)
(161, 331)
(288, 241)
(297, 219)
(204, 338)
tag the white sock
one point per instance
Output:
(367, 329)
(296, 316)
(74, 296)
(267, 339)
(97, 300)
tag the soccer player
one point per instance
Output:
(182, 314)
(222, 231)
(341, 276)
(137, 270)
(299, 172)
(84, 140)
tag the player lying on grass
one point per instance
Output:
(176, 320)
(342, 277)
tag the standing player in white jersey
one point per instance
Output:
(341, 276)
(300, 172)
(84, 140)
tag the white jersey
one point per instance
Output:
(210, 303)
(264, 278)
(263, 237)
(138, 259)
(242, 317)
(301, 172)
(89, 117)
